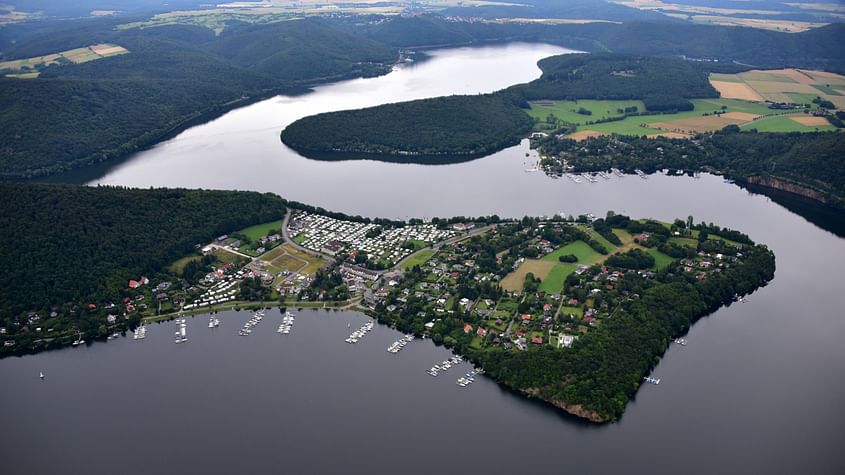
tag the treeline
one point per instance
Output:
(718, 46)
(70, 246)
(809, 159)
(173, 75)
(454, 125)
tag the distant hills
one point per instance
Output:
(177, 74)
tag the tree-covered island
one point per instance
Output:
(574, 311)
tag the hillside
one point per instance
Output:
(105, 109)
(68, 246)
(663, 84)
(455, 125)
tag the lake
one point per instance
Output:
(757, 389)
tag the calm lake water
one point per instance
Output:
(757, 389)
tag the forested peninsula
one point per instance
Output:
(451, 126)
(482, 124)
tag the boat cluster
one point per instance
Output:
(359, 333)
(397, 345)
(467, 379)
(252, 322)
(287, 324)
(681, 341)
(651, 380)
(181, 334)
(213, 322)
(641, 174)
(140, 333)
(445, 365)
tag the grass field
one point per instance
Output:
(795, 86)
(553, 283)
(643, 125)
(177, 266)
(418, 259)
(288, 258)
(784, 124)
(260, 230)
(515, 281)
(585, 254)
(661, 261)
(76, 55)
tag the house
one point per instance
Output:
(429, 325)
(111, 318)
(467, 328)
(482, 332)
(537, 340)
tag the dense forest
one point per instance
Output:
(65, 247)
(813, 160)
(813, 49)
(455, 125)
(663, 84)
(111, 107)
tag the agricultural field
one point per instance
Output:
(796, 86)
(287, 258)
(29, 67)
(720, 113)
(791, 123)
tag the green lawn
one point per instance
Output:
(567, 110)
(577, 311)
(661, 261)
(418, 259)
(636, 125)
(299, 238)
(261, 230)
(553, 283)
(601, 239)
(177, 266)
(689, 242)
(801, 98)
(784, 124)
(581, 250)
(623, 236)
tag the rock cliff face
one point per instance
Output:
(788, 187)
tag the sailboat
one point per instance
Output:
(41, 375)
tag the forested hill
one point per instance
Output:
(70, 246)
(113, 106)
(814, 49)
(455, 125)
(475, 125)
(663, 84)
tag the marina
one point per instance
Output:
(397, 345)
(213, 322)
(181, 334)
(445, 365)
(246, 329)
(287, 324)
(359, 333)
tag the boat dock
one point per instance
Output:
(444, 366)
(651, 380)
(251, 323)
(397, 345)
(359, 333)
(181, 334)
(287, 324)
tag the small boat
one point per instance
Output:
(41, 375)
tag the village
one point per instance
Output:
(506, 285)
